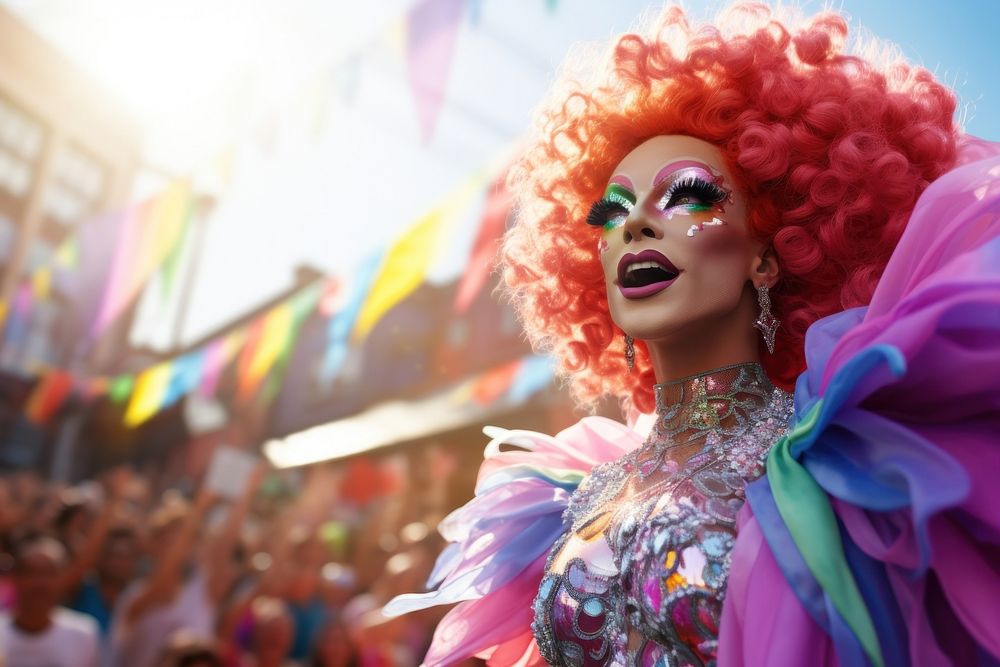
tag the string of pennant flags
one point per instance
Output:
(425, 35)
(153, 233)
(150, 238)
(258, 348)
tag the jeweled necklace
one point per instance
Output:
(703, 408)
(703, 412)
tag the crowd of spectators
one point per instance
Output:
(291, 572)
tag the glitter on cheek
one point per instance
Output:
(602, 246)
(689, 209)
(700, 227)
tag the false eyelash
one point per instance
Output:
(601, 210)
(707, 192)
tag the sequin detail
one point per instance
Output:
(656, 530)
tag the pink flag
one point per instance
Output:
(484, 249)
(431, 32)
(218, 354)
(149, 234)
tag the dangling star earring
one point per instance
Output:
(629, 352)
(766, 322)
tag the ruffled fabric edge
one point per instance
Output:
(873, 538)
(499, 540)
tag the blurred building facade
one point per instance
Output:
(67, 153)
(69, 156)
(414, 358)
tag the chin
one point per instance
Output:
(662, 326)
(685, 320)
(649, 320)
(661, 334)
(663, 330)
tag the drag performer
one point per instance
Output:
(790, 256)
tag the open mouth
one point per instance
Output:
(645, 273)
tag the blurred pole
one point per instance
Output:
(199, 220)
(30, 221)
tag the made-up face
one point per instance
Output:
(675, 247)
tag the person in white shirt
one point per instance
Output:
(39, 633)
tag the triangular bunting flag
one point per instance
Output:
(172, 262)
(49, 395)
(274, 335)
(407, 262)
(41, 283)
(121, 388)
(431, 34)
(186, 375)
(148, 394)
(149, 234)
(535, 374)
(495, 383)
(486, 245)
(340, 325)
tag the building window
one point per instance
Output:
(77, 186)
(20, 146)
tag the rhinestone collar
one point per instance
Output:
(690, 408)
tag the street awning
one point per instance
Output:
(473, 401)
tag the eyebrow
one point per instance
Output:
(677, 165)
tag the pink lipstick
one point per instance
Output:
(645, 273)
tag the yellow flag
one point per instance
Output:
(233, 343)
(406, 263)
(173, 214)
(273, 339)
(147, 396)
(168, 215)
(41, 283)
(68, 253)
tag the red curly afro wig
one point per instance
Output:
(831, 151)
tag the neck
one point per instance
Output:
(33, 622)
(722, 341)
(709, 401)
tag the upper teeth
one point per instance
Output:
(645, 265)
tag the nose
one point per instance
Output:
(638, 225)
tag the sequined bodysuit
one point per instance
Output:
(640, 574)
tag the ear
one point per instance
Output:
(764, 269)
